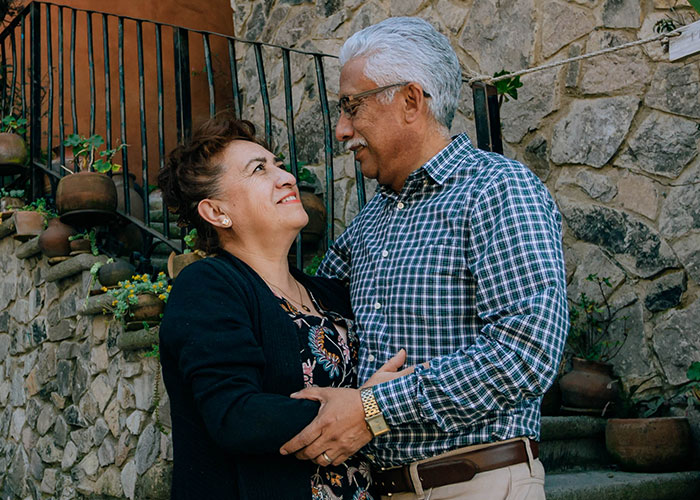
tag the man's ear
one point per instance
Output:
(415, 103)
(210, 211)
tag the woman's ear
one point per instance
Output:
(210, 211)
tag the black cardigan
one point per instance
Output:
(230, 358)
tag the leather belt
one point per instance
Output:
(455, 468)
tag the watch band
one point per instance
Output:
(369, 403)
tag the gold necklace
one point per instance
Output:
(301, 296)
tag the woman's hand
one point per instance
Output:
(390, 370)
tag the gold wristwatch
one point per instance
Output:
(373, 415)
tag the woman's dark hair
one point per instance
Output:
(191, 173)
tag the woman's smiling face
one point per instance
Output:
(257, 193)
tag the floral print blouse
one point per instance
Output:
(329, 359)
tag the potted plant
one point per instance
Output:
(139, 300)
(30, 220)
(54, 241)
(13, 149)
(652, 440)
(85, 242)
(177, 262)
(86, 196)
(590, 386)
(11, 199)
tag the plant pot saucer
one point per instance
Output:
(78, 252)
(89, 218)
(139, 325)
(24, 237)
(585, 411)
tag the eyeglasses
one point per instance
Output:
(348, 104)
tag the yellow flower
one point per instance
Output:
(144, 278)
(162, 296)
(104, 288)
(114, 302)
(168, 289)
(161, 274)
(136, 277)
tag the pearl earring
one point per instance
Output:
(226, 222)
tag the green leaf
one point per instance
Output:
(695, 4)
(694, 371)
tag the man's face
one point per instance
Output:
(374, 129)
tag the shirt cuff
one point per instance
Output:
(397, 399)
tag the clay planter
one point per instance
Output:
(148, 308)
(13, 154)
(316, 210)
(28, 224)
(53, 242)
(10, 203)
(589, 385)
(114, 272)
(80, 246)
(177, 262)
(84, 197)
(649, 444)
(135, 198)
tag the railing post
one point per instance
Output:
(487, 118)
(183, 98)
(35, 99)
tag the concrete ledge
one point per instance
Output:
(7, 227)
(555, 428)
(612, 485)
(138, 339)
(70, 267)
(94, 305)
(28, 248)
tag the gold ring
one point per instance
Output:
(328, 459)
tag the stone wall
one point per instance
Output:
(614, 138)
(76, 410)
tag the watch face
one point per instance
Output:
(377, 425)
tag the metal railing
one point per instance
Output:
(51, 32)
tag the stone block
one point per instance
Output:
(597, 186)
(688, 251)
(111, 416)
(676, 345)
(100, 431)
(33, 409)
(662, 145)
(622, 14)
(64, 378)
(128, 478)
(65, 329)
(537, 157)
(19, 418)
(36, 466)
(100, 328)
(28, 249)
(109, 484)
(83, 439)
(535, 101)
(106, 453)
(640, 195)
(101, 390)
(5, 342)
(680, 212)
(143, 391)
(67, 350)
(593, 130)
(89, 408)
(48, 482)
(147, 449)
(46, 420)
(675, 88)
(134, 421)
(155, 484)
(166, 447)
(99, 359)
(125, 395)
(124, 446)
(666, 292)
(563, 23)
(60, 431)
(74, 417)
(58, 400)
(90, 464)
(17, 390)
(70, 455)
(80, 379)
(622, 70)
(48, 451)
(15, 478)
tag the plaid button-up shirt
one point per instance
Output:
(464, 269)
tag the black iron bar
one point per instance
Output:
(257, 47)
(183, 98)
(108, 93)
(91, 66)
(328, 149)
(122, 116)
(23, 65)
(14, 72)
(210, 75)
(73, 101)
(233, 65)
(3, 75)
(142, 116)
(35, 98)
(49, 64)
(61, 96)
(289, 104)
(360, 181)
(161, 123)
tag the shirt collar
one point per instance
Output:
(441, 166)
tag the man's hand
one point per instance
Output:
(339, 429)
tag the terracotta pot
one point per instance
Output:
(10, 202)
(13, 154)
(53, 242)
(28, 224)
(177, 262)
(649, 444)
(81, 245)
(135, 198)
(589, 385)
(114, 272)
(148, 308)
(86, 191)
(316, 209)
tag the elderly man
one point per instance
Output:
(458, 262)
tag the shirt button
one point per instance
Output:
(371, 358)
(400, 205)
(385, 253)
(377, 305)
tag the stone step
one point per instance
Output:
(615, 485)
(573, 443)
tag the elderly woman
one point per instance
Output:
(242, 331)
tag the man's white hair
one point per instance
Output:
(409, 49)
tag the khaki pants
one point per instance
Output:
(523, 481)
